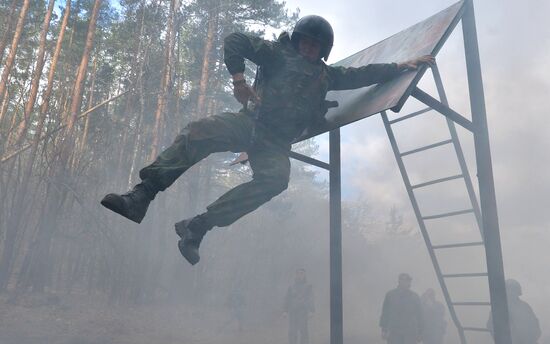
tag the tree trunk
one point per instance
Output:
(141, 54)
(14, 44)
(40, 267)
(211, 36)
(84, 137)
(195, 177)
(165, 81)
(3, 109)
(6, 36)
(15, 219)
(76, 99)
(23, 126)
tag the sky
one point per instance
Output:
(514, 40)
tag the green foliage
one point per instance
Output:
(85, 248)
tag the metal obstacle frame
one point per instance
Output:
(485, 212)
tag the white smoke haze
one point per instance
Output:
(514, 45)
(259, 254)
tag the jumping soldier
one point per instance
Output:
(288, 97)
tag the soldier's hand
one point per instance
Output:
(242, 91)
(417, 62)
(384, 335)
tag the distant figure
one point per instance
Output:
(433, 316)
(401, 319)
(236, 304)
(298, 307)
(524, 325)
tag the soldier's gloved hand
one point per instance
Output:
(242, 91)
(384, 335)
(417, 62)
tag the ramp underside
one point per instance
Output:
(426, 37)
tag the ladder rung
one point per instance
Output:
(452, 213)
(436, 181)
(471, 303)
(472, 274)
(442, 143)
(414, 114)
(476, 329)
(465, 244)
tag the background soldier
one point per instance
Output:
(524, 325)
(433, 316)
(401, 319)
(298, 307)
(288, 95)
(236, 304)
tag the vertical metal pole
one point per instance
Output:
(336, 314)
(493, 250)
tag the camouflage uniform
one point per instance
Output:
(298, 305)
(524, 324)
(402, 316)
(292, 92)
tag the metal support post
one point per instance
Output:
(493, 249)
(336, 309)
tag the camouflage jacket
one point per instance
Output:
(402, 313)
(299, 299)
(292, 89)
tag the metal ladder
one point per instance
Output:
(421, 218)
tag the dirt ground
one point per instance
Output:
(43, 319)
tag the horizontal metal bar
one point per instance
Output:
(471, 274)
(436, 181)
(442, 109)
(442, 143)
(414, 114)
(476, 329)
(309, 160)
(452, 213)
(471, 303)
(465, 244)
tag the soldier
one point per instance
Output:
(433, 316)
(288, 96)
(524, 325)
(401, 319)
(298, 307)
(236, 304)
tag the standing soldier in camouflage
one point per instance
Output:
(288, 96)
(401, 320)
(524, 324)
(298, 307)
(433, 316)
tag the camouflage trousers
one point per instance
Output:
(268, 158)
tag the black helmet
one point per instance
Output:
(317, 28)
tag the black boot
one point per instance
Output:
(133, 204)
(191, 232)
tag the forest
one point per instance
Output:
(90, 92)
